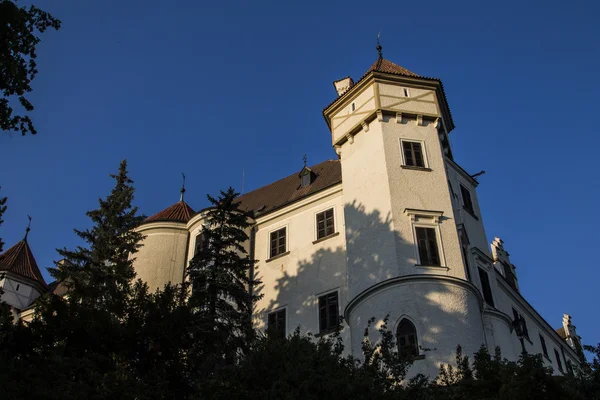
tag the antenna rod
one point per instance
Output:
(28, 228)
(182, 187)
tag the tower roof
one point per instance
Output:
(386, 66)
(20, 261)
(178, 212)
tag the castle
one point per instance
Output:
(392, 228)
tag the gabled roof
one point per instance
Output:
(383, 65)
(288, 190)
(20, 261)
(178, 212)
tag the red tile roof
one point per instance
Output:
(383, 65)
(288, 190)
(178, 212)
(19, 260)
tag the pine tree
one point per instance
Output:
(100, 275)
(221, 280)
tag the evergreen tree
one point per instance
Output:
(221, 279)
(18, 41)
(100, 275)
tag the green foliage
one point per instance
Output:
(221, 277)
(100, 275)
(19, 27)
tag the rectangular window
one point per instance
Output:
(517, 316)
(544, 348)
(278, 242)
(413, 154)
(200, 243)
(325, 226)
(276, 323)
(510, 276)
(485, 286)
(466, 197)
(557, 356)
(428, 247)
(406, 92)
(328, 312)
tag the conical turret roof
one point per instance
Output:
(20, 261)
(178, 212)
(386, 66)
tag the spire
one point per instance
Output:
(28, 228)
(379, 48)
(182, 187)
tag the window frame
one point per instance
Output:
(427, 219)
(329, 329)
(544, 346)
(316, 230)
(517, 314)
(488, 286)
(416, 333)
(287, 243)
(558, 361)
(463, 189)
(275, 311)
(198, 235)
(423, 153)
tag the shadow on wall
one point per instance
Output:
(374, 253)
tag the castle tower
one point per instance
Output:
(162, 258)
(20, 278)
(390, 130)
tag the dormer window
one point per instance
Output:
(306, 177)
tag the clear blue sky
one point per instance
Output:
(214, 88)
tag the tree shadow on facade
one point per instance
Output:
(370, 265)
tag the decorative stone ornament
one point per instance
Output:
(365, 126)
(398, 117)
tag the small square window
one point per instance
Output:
(485, 286)
(276, 323)
(325, 224)
(413, 154)
(466, 197)
(428, 246)
(328, 312)
(278, 242)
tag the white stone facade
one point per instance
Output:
(382, 207)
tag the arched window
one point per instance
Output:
(406, 335)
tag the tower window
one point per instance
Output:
(544, 348)
(466, 197)
(200, 243)
(276, 323)
(485, 287)
(517, 317)
(558, 362)
(406, 92)
(18, 286)
(353, 107)
(406, 335)
(305, 179)
(328, 312)
(325, 224)
(428, 247)
(413, 154)
(278, 242)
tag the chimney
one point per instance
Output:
(343, 85)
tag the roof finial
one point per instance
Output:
(182, 187)
(304, 159)
(379, 48)
(28, 228)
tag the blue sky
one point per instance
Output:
(216, 88)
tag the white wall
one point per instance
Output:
(18, 294)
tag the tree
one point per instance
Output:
(19, 27)
(221, 281)
(100, 275)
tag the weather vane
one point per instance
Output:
(28, 227)
(182, 187)
(379, 48)
(304, 159)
